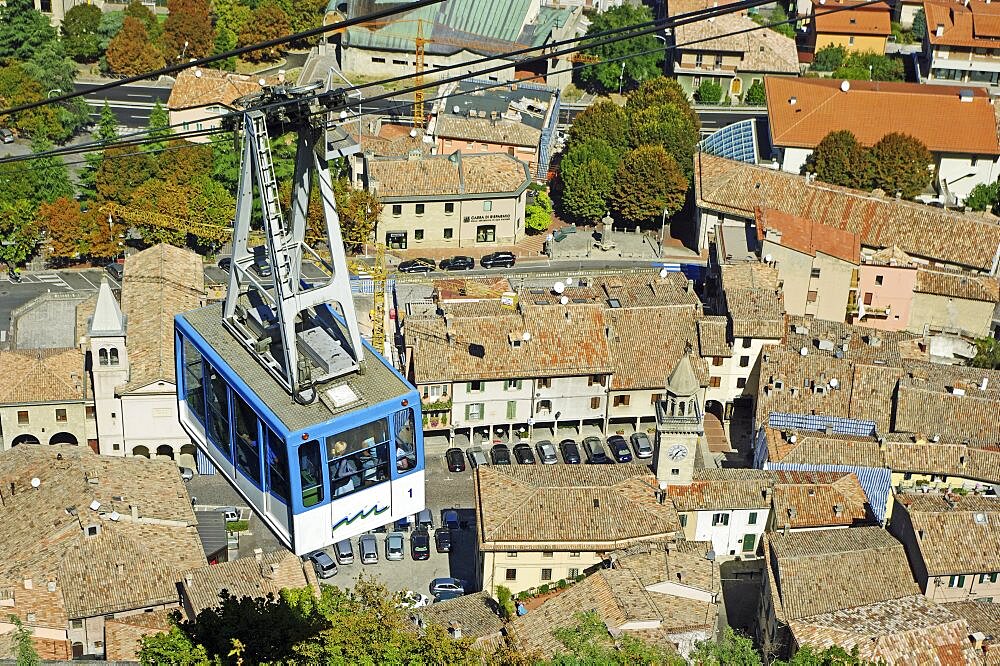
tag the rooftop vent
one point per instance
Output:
(597, 503)
(792, 101)
(980, 518)
(838, 510)
(965, 95)
(984, 383)
(939, 30)
(825, 345)
(956, 390)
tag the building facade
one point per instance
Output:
(200, 97)
(861, 29)
(960, 47)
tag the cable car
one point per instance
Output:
(317, 431)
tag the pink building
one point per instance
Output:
(884, 293)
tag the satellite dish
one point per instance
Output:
(569, 282)
(564, 300)
(526, 336)
(559, 287)
(710, 555)
(95, 505)
(35, 482)
(413, 133)
(456, 109)
(197, 73)
(845, 86)
(834, 382)
(343, 115)
(767, 258)
(663, 272)
(804, 351)
(262, 81)
(793, 439)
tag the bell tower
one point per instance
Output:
(680, 425)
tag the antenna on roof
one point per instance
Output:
(663, 272)
(526, 336)
(559, 287)
(845, 86)
(563, 300)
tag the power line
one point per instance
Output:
(197, 62)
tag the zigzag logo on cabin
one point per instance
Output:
(364, 513)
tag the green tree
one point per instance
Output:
(80, 33)
(25, 651)
(135, 9)
(780, 17)
(608, 74)
(122, 170)
(920, 24)
(359, 213)
(900, 163)
(586, 190)
(829, 58)
(183, 162)
(23, 30)
(831, 656)
(19, 231)
(589, 643)
(159, 128)
(581, 152)
(505, 602)
(668, 126)
(110, 25)
(604, 120)
(874, 66)
(19, 87)
(840, 160)
(172, 647)
(225, 40)
(731, 649)
(43, 179)
(538, 215)
(187, 31)
(303, 15)
(132, 51)
(987, 354)
(648, 181)
(107, 131)
(755, 95)
(231, 14)
(983, 197)
(268, 22)
(54, 70)
(657, 92)
(709, 92)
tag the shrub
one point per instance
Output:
(544, 589)
(709, 92)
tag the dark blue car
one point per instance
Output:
(619, 449)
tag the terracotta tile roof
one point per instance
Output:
(872, 109)
(565, 341)
(927, 402)
(981, 616)
(475, 613)
(789, 383)
(159, 283)
(855, 343)
(629, 594)
(132, 562)
(737, 188)
(211, 87)
(958, 538)
(712, 337)
(820, 449)
(967, 25)
(42, 375)
(122, 635)
(485, 130)
(818, 499)
(714, 489)
(823, 571)
(440, 175)
(646, 344)
(753, 300)
(957, 285)
(950, 459)
(243, 577)
(605, 506)
(761, 50)
(808, 236)
(910, 630)
(865, 20)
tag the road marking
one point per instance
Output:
(52, 278)
(87, 280)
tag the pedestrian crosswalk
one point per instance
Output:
(53, 279)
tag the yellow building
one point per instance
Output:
(864, 29)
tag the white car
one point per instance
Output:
(411, 599)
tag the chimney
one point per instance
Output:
(838, 510)
(978, 639)
(784, 530)
(258, 554)
(690, 286)
(939, 32)
(270, 572)
(29, 584)
(188, 580)
(135, 512)
(455, 629)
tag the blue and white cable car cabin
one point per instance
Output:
(312, 427)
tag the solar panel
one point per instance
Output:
(736, 142)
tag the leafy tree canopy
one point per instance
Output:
(538, 215)
(586, 190)
(900, 163)
(604, 120)
(268, 21)
(187, 31)
(920, 24)
(755, 95)
(605, 74)
(111, 23)
(80, 32)
(657, 92)
(132, 51)
(19, 231)
(983, 197)
(648, 181)
(709, 92)
(987, 354)
(589, 643)
(668, 126)
(877, 67)
(135, 9)
(840, 160)
(829, 58)
(586, 150)
(23, 30)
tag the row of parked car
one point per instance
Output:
(459, 263)
(616, 449)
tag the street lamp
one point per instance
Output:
(183, 50)
(663, 224)
(54, 90)
(620, 78)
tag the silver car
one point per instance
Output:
(641, 444)
(394, 546)
(368, 547)
(546, 452)
(476, 456)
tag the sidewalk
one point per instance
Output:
(529, 248)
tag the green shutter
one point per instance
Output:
(518, 384)
(468, 387)
(511, 409)
(468, 412)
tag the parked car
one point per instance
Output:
(323, 564)
(596, 455)
(425, 518)
(368, 547)
(451, 519)
(226, 263)
(442, 539)
(459, 263)
(115, 270)
(500, 454)
(523, 454)
(498, 260)
(546, 452)
(186, 473)
(344, 551)
(619, 449)
(6, 136)
(394, 546)
(442, 585)
(643, 447)
(420, 265)
(455, 459)
(477, 458)
(420, 544)
(446, 596)
(570, 452)
(231, 513)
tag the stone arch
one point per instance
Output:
(165, 451)
(187, 458)
(26, 438)
(102, 353)
(114, 356)
(63, 438)
(140, 452)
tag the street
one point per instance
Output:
(131, 103)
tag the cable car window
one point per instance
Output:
(218, 411)
(277, 467)
(247, 440)
(311, 473)
(359, 457)
(406, 440)
(194, 390)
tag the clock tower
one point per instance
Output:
(680, 425)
